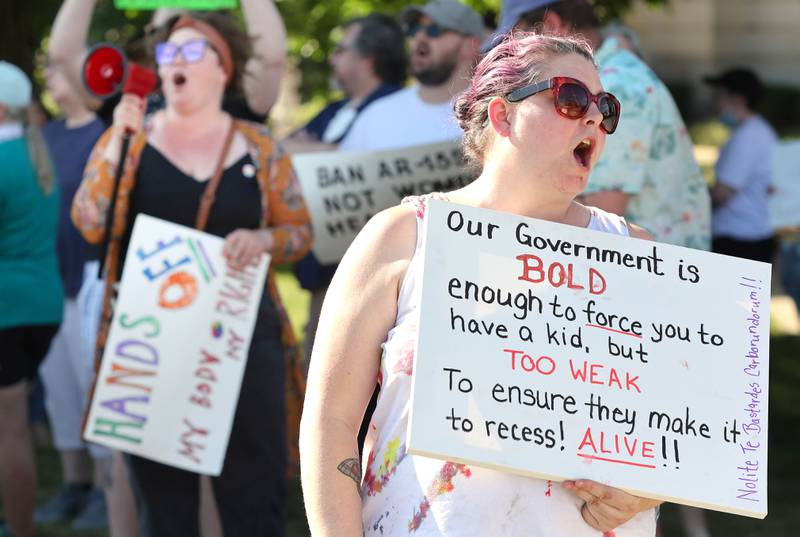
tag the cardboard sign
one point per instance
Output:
(784, 203)
(176, 352)
(343, 190)
(562, 353)
(182, 4)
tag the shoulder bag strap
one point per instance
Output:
(209, 194)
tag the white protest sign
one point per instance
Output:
(176, 352)
(343, 190)
(562, 353)
(784, 203)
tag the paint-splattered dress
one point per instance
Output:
(412, 495)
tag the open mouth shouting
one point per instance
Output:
(179, 79)
(583, 152)
(422, 50)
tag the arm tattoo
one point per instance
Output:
(352, 469)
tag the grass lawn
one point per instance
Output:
(784, 517)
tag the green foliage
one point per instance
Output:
(25, 26)
(22, 26)
(311, 25)
(115, 25)
(710, 133)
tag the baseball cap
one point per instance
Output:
(510, 14)
(448, 14)
(512, 10)
(740, 81)
(15, 87)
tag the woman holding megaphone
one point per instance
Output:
(68, 50)
(192, 164)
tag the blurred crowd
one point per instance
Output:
(405, 80)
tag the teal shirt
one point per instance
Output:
(30, 285)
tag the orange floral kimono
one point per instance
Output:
(283, 211)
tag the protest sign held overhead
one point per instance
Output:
(172, 368)
(344, 190)
(563, 353)
(182, 4)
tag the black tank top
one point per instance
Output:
(162, 190)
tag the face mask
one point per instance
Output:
(729, 119)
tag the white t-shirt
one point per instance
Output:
(399, 120)
(340, 122)
(745, 164)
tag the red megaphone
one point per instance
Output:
(107, 71)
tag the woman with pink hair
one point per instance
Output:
(535, 119)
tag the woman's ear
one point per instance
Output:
(223, 75)
(500, 116)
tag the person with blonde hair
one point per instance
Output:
(31, 295)
(68, 369)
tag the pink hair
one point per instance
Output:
(516, 61)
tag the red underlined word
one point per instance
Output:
(595, 457)
(613, 330)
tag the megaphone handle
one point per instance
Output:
(123, 153)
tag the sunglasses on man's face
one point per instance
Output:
(192, 51)
(432, 30)
(572, 100)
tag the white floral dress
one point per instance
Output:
(412, 495)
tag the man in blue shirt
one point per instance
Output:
(744, 170)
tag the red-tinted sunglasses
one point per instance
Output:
(572, 100)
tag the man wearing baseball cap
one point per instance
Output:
(740, 224)
(647, 171)
(444, 41)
